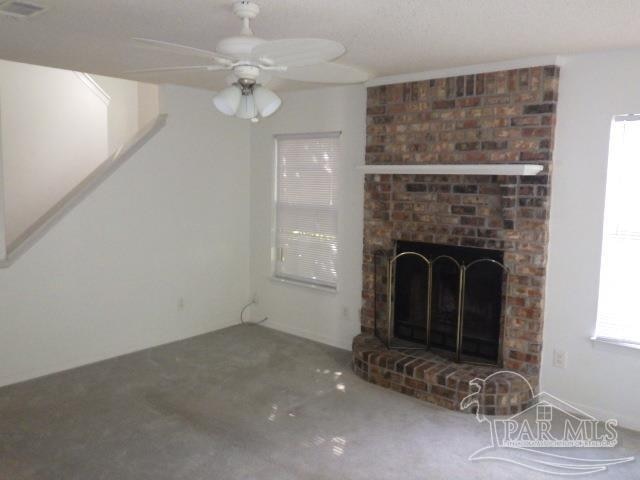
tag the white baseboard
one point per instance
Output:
(71, 364)
(344, 344)
(624, 421)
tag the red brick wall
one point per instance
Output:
(500, 117)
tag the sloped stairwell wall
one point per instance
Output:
(54, 132)
(64, 133)
(157, 253)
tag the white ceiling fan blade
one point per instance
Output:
(264, 77)
(297, 52)
(324, 73)
(182, 49)
(192, 68)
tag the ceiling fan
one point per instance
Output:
(253, 60)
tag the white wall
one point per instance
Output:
(172, 222)
(3, 245)
(332, 318)
(148, 103)
(54, 132)
(122, 115)
(602, 378)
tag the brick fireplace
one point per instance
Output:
(492, 118)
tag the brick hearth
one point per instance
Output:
(499, 117)
(430, 377)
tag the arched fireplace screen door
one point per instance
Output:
(454, 306)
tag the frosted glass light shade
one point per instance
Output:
(247, 107)
(266, 101)
(228, 100)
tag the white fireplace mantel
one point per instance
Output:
(455, 169)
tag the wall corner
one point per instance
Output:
(3, 226)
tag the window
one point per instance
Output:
(306, 213)
(618, 314)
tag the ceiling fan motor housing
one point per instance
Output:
(246, 9)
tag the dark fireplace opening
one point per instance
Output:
(478, 338)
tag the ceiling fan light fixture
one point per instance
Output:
(228, 100)
(247, 109)
(266, 101)
(252, 61)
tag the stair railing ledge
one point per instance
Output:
(103, 171)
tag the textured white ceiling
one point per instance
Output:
(382, 36)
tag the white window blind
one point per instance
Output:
(618, 314)
(306, 212)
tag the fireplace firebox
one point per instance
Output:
(448, 299)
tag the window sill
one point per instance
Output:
(616, 342)
(311, 286)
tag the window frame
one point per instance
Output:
(618, 341)
(290, 279)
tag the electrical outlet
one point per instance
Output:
(559, 359)
(180, 304)
(254, 299)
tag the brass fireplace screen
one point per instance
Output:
(458, 333)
